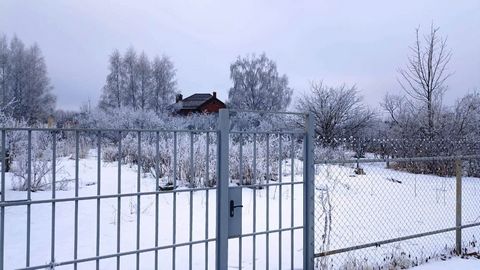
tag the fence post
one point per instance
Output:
(458, 207)
(308, 195)
(221, 247)
(2, 200)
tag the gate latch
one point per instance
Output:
(233, 206)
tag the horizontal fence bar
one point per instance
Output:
(393, 240)
(113, 255)
(411, 159)
(272, 231)
(94, 197)
(106, 130)
(268, 185)
(267, 112)
(272, 132)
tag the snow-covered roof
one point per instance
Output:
(194, 101)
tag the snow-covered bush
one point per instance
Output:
(66, 144)
(188, 173)
(329, 153)
(40, 168)
(191, 144)
(243, 160)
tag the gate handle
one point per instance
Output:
(232, 207)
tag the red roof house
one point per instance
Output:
(197, 103)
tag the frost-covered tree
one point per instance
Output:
(113, 90)
(163, 84)
(338, 111)
(136, 82)
(424, 77)
(257, 85)
(466, 113)
(130, 79)
(24, 83)
(16, 78)
(38, 102)
(144, 73)
(402, 117)
(4, 70)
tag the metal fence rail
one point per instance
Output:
(157, 198)
(97, 139)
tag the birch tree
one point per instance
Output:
(144, 73)
(130, 79)
(112, 95)
(25, 88)
(163, 84)
(257, 85)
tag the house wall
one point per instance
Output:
(213, 106)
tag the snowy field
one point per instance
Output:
(364, 209)
(385, 204)
(15, 231)
(456, 263)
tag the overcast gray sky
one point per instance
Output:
(356, 42)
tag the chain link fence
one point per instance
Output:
(384, 211)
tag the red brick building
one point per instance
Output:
(197, 103)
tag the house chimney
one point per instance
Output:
(178, 98)
(214, 94)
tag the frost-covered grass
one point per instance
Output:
(456, 263)
(364, 208)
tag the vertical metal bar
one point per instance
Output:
(207, 177)
(190, 234)
(308, 191)
(192, 184)
(267, 236)
(29, 195)
(2, 199)
(119, 199)
(139, 168)
(241, 160)
(77, 153)
(292, 206)
(458, 235)
(241, 184)
(254, 199)
(174, 194)
(221, 247)
(54, 188)
(280, 201)
(157, 188)
(99, 183)
(192, 172)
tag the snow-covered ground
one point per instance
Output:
(453, 264)
(365, 208)
(385, 204)
(16, 219)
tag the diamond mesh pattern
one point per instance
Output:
(357, 204)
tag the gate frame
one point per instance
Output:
(221, 261)
(221, 245)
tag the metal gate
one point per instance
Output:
(279, 238)
(110, 215)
